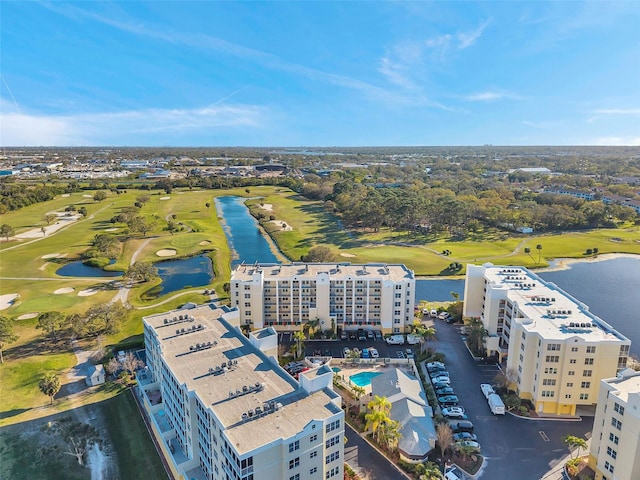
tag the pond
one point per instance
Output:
(438, 290)
(184, 273)
(244, 236)
(79, 269)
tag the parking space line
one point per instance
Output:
(544, 436)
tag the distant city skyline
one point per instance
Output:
(319, 73)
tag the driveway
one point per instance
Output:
(513, 447)
(365, 459)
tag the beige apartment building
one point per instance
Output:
(339, 296)
(220, 406)
(554, 347)
(615, 443)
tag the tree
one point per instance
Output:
(465, 451)
(380, 404)
(6, 334)
(476, 335)
(51, 322)
(99, 195)
(50, 385)
(113, 366)
(208, 205)
(77, 436)
(131, 363)
(142, 199)
(374, 420)
(6, 231)
(575, 442)
(50, 218)
(527, 250)
(83, 211)
(445, 437)
(299, 337)
(389, 434)
(539, 248)
(431, 472)
(319, 254)
(141, 272)
(358, 391)
(104, 318)
(139, 224)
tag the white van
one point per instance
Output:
(395, 340)
(486, 389)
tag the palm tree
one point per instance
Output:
(527, 250)
(389, 434)
(358, 391)
(465, 451)
(374, 420)
(539, 248)
(431, 472)
(575, 442)
(299, 337)
(380, 404)
(313, 325)
(50, 385)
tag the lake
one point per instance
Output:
(246, 242)
(184, 273)
(79, 269)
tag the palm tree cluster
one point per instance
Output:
(385, 431)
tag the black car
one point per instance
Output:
(436, 369)
(448, 400)
(439, 385)
(457, 437)
(461, 426)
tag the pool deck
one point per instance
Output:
(347, 369)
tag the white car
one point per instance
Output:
(453, 412)
(444, 315)
(441, 379)
(486, 389)
(373, 352)
(434, 312)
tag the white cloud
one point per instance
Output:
(491, 95)
(617, 111)
(469, 38)
(615, 141)
(35, 129)
(460, 40)
(542, 125)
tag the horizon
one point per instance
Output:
(319, 74)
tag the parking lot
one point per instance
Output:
(513, 447)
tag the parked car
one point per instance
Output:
(433, 313)
(441, 379)
(473, 446)
(448, 400)
(346, 352)
(344, 335)
(486, 389)
(353, 335)
(362, 336)
(439, 385)
(378, 335)
(370, 335)
(454, 473)
(365, 353)
(444, 391)
(443, 315)
(453, 412)
(395, 340)
(461, 426)
(373, 352)
(409, 353)
(435, 365)
(458, 437)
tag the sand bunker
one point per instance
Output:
(63, 290)
(267, 206)
(51, 255)
(348, 255)
(113, 229)
(205, 242)
(283, 225)
(88, 292)
(166, 252)
(165, 198)
(7, 300)
(86, 195)
(28, 316)
(65, 195)
(62, 221)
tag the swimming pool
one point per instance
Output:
(363, 379)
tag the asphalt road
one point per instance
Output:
(366, 459)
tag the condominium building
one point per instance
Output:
(554, 347)
(615, 443)
(221, 407)
(344, 296)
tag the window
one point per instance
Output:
(521, 357)
(294, 463)
(332, 441)
(313, 454)
(313, 470)
(293, 446)
(567, 396)
(612, 453)
(586, 373)
(585, 385)
(313, 438)
(616, 423)
(591, 349)
(608, 466)
(549, 381)
(331, 457)
(614, 438)
(553, 347)
(548, 393)
(333, 472)
(569, 384)
(574, 349)
(295, 477)
(571, 372)
(618, 408)
(552, 358)
(551, 370)
(247, 295)
(333, 426)
(524, 336)
(573, 360)
(584, 396)
(588, 361)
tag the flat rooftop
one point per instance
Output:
(396, 272)
(232, 377)
(623, 387)
(554, 313)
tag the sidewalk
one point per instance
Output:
(557, 471)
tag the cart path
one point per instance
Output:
(123, 291)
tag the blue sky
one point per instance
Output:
(319, 73)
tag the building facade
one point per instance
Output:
(615, 443)
(556, 350)
(222, 408)
(339, 296)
